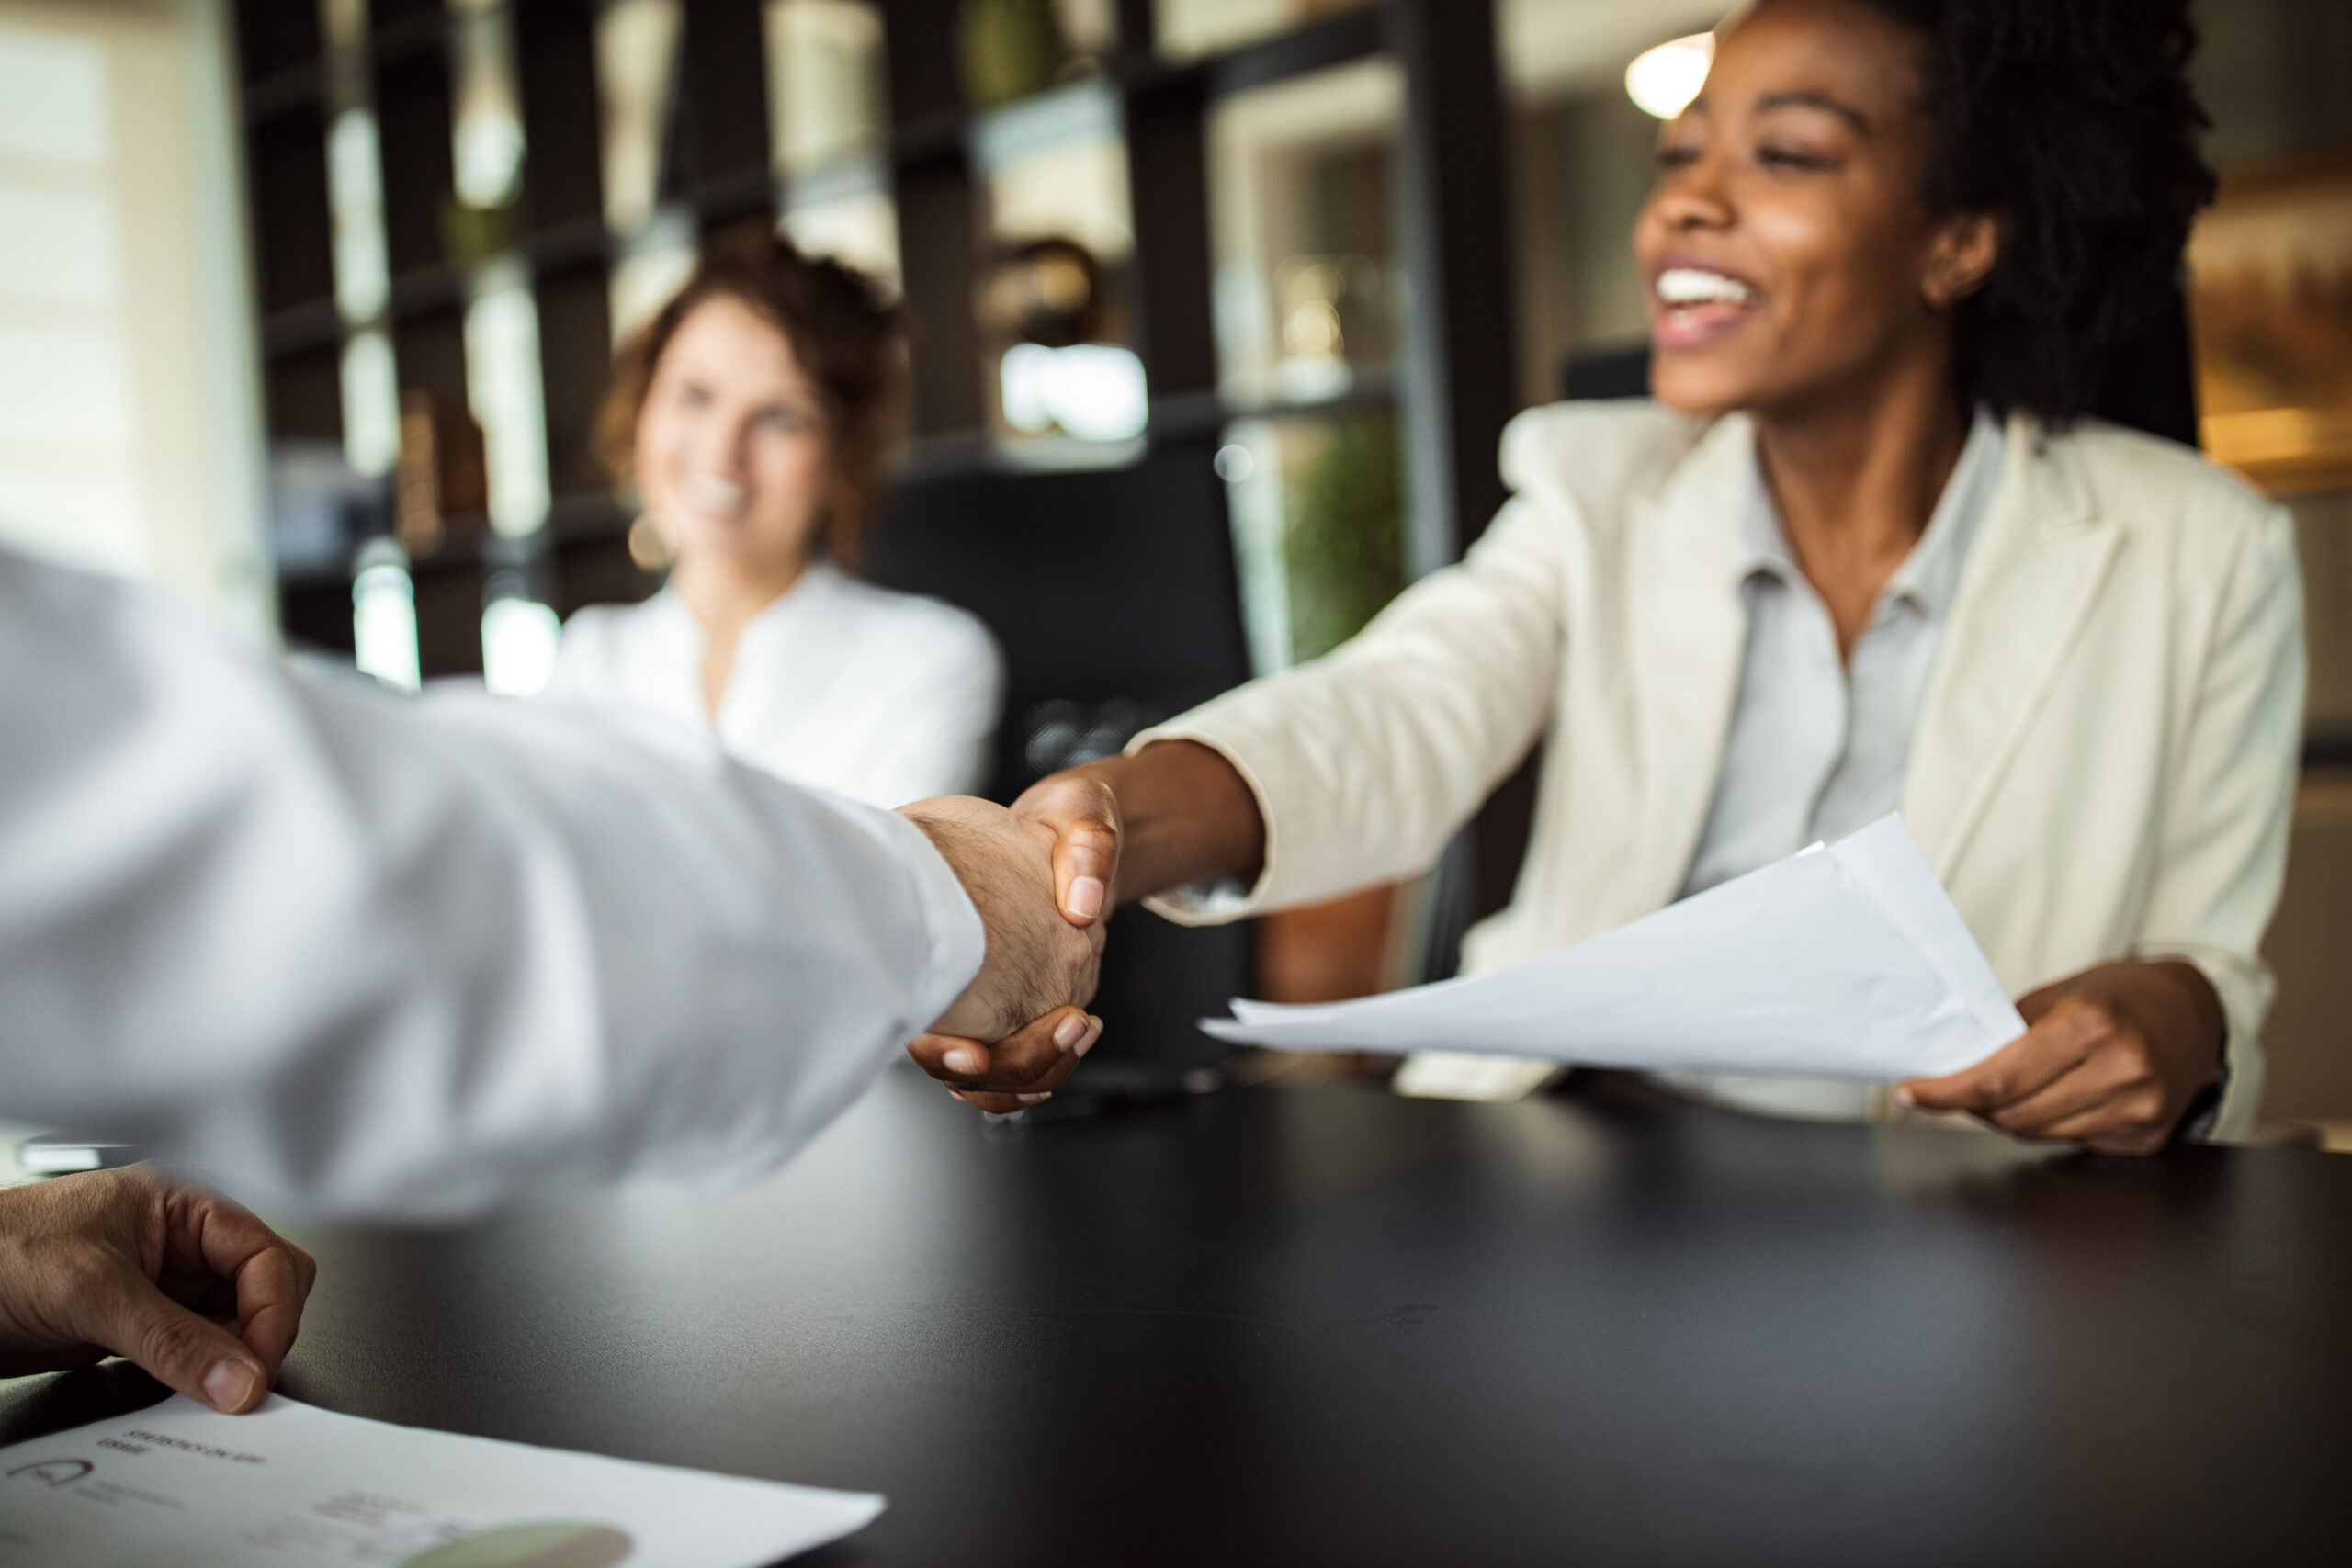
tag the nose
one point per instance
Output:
(1693, 196)
(719, 445)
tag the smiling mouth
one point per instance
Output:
(1696, 304)
(709, 493)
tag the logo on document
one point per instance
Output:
(54, 1471)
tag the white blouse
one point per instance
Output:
(881, 697)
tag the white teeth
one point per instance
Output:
(1692, 285)
(714, 494)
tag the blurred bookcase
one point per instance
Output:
(925, 173)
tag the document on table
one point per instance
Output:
(294, 1486)
(1848, 962)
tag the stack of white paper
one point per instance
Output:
(1844, 962)
(291, 1486)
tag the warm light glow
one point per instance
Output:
(1663, 80)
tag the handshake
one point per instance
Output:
(1040, 875)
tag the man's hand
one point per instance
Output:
(130, 1262)
(2109, 1060)
(1020, 1070)
(1037, 961)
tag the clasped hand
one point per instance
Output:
(1021, 1028)
(1041, 876)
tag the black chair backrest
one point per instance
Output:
(1112, 592)
(1114, 597)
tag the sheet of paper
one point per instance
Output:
(1848, 962)
(294, 1486)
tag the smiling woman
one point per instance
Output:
(751, 415)
(1859, 553)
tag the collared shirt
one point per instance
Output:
(1819, 746)
(884, 697)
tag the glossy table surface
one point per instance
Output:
(1322, 1325)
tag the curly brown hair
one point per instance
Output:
(843, 332)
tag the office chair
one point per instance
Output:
(1113, 595)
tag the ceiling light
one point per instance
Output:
(1663, 80)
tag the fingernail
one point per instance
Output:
(963, 1059)
(1086, 897)
(1905, 1094)
(1094, 1032)
(1071, 1030)
(230, 1383)
(1032, 1098)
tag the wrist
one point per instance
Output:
(1185, 816)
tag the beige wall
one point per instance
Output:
(130, 432)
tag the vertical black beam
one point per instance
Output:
(555, 69)
(930, 176)
(1166, 169)
(575, 367)
(919, 51)
(414, 125)
(723, 111)
(1455, 237)
(275, 35)
(1138, 29)
(555, 61)
(937, 247)
(555, 57)
(302, 395)
(1459, 381)
(293, 235)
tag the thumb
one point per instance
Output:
(1083, 815)
(194, 1356)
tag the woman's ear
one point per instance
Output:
(1960, 258)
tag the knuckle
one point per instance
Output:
(173, 1339)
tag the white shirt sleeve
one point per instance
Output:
(370, 954)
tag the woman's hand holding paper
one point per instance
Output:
(2111, 1058)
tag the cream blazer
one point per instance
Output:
(2104, 769)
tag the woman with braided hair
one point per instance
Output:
(1862, 550)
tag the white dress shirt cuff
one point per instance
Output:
(958, 942)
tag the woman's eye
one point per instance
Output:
(693, 397)
(1791, 158)
(1677, 156)
(785, 422)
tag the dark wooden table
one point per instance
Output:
(1323, 1325)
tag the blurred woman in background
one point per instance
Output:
(751, 415)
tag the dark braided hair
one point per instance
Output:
(2075, 119)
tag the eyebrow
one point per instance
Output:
(1810, 100)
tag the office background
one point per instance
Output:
(1216, 308)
